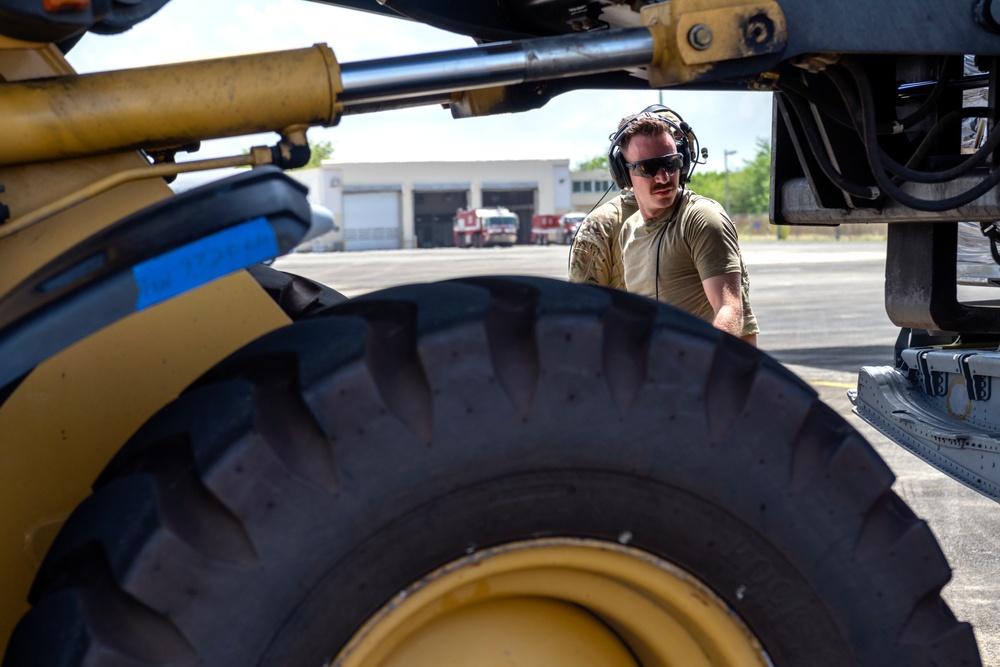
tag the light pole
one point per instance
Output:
(725, 166)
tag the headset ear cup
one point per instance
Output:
(690, 150)
(623, 170)
(616, 165)
(684, 148)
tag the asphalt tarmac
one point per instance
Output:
(820, 307)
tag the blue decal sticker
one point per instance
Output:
(204, 260)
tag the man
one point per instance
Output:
(679, 248)
(595, 257)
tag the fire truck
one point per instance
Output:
(548, 228)
(480, 227)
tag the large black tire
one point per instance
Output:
(280, 502)
(299, 297)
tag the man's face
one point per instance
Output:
(656, 194)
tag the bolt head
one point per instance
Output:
(700, 36)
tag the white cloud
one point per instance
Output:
(573, 126)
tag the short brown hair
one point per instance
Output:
(645, 124)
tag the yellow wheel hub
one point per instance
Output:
(552, 603)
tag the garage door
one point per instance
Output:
(372, 221)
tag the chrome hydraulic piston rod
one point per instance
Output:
(434, 76)
(175, 105)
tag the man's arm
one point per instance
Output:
(588, 256)
(592, 258)
(725, 295)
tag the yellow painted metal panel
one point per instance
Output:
(72, 413)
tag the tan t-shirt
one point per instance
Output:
(595, 257)
(694, 240)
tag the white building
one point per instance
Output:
(413, 204)
(591, 188)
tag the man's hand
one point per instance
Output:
(726, 296)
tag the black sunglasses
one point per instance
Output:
(651, 167)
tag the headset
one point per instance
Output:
(683, 135)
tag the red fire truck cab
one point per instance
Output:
(549, 228)
(479, 227)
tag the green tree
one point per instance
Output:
(710, 184)
(320, 150)
(749, 185)
(596, 162)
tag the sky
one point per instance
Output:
(573, 126)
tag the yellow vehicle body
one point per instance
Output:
(65, 419)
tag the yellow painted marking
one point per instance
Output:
(841, 385)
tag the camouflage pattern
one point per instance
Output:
(596, 256)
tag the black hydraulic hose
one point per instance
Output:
(906, 172)
(825, 105)
(819, 152)
(841, 115)
(895, 127)
(879, 170)
(969, 163)
(928, 105)
(847, 89)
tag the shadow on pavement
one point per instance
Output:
(844, 359)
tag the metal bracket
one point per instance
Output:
(692, 35)
(979, 387)
(920, 281)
